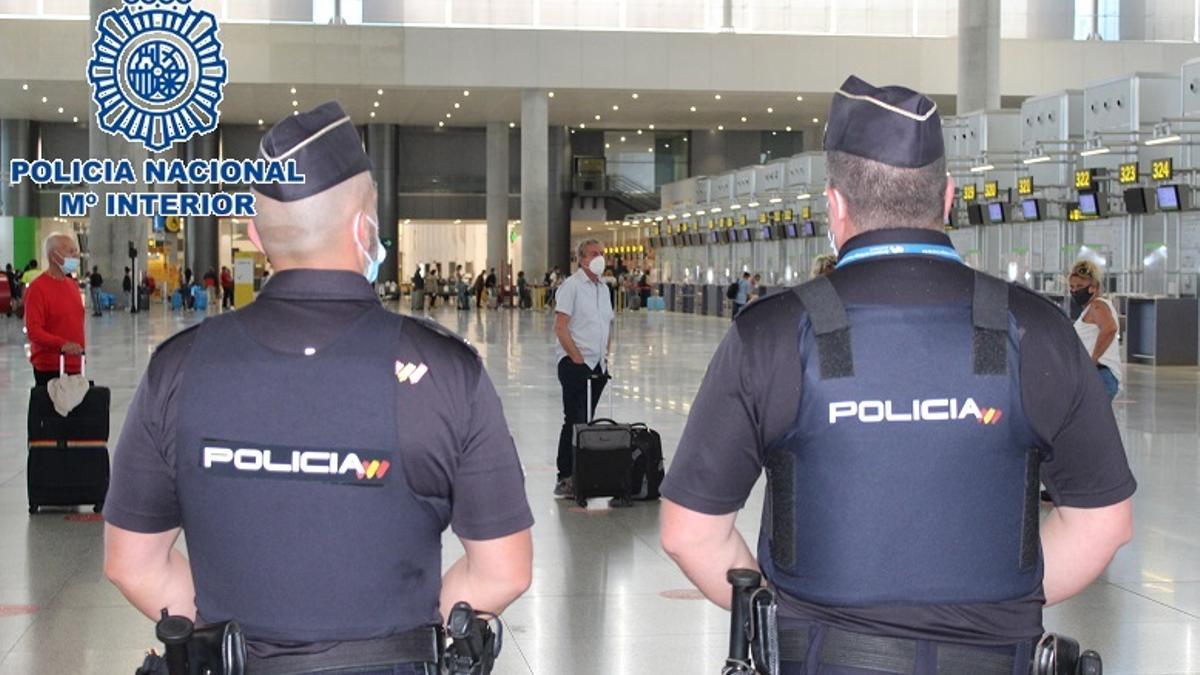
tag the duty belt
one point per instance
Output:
(422, 645)
(890, 655)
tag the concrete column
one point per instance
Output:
(497, 197)
(109, 238)
(558, 221)
(383, 149)
(18, 140)
(978, 55)
(203, 234)
(535, 177)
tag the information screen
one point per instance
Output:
(996, 212)
(1029, 208)
(1168, 197)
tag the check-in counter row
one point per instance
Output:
(702, 299)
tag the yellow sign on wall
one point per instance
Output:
(1025, 185)
(991, 189)
(806, 212)
(1127, 173)
(1162, 169)
(1083, 179)
(968, 193)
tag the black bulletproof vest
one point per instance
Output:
(299, 519)
(910, 474)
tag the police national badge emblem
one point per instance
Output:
(157, 72)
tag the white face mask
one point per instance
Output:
(371, 272)
(596, 266)
(70, 265)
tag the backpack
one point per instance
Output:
(648, 471)
(732, 291)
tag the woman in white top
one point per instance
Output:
(1097, 324)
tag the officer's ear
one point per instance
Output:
(252, 232)
(948, 198)
(839, 221)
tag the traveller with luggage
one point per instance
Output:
(54, 311)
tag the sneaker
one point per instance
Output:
(565, 489)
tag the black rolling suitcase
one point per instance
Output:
(68, 456)
(603, 454)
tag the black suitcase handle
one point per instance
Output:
(603, 420)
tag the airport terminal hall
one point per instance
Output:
(599, 337)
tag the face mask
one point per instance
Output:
(70, 265)
(596, 266)
(371, 272)
(1082, 296)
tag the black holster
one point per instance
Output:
(1060, 655)
(754, 628)
(219, 649)
(477, 639)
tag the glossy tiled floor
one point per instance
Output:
(602, 600)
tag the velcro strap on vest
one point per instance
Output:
(1031, 540)
(989, 313)
(422, 645)
(827, 315)
(781, 507)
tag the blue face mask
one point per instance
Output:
(70, 265)
(374, 261)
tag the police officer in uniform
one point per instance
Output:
(314, 447)
(903, 408)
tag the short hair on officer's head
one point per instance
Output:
(882, 196)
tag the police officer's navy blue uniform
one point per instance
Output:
(313, 448)
(904, 409)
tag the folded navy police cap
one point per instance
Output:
(892, 125)
(325, 146)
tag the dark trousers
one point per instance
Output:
(406, 669)
(737, 307)
(574, 378)
(925, 662)
(226, 297)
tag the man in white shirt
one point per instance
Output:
(582, 323)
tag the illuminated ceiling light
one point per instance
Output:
(379, 92)
(775, 200)
(693, 108)
(787, 129)
(589, 229)
(672, 217)
(687, 215)
(701, 212)
(75, 120)
(634, 96)
(752, 205)
(744, 119)
(582, 125)
(720, 127)
(981, 169)
(458, 221)
(770, 110)
(804, 196)
(60, 111)
(715, 209)
(651, 127)
(295, 103)
(622, 139)
(376, 104)
(550, 94)
(734, 207)
(647, 220)
(799, 98)
(45, 100)
(616, 108)
(667, 146)
(717, 97)
(639, 132)
(25, 87)
(1174, 138)
(597, 118)
(657, 220)
(513, 125)
(1036, 160)
(441, 124)
(295, 113)
(457, 106)
(816, 120)
(607, 146)
(372, 114)
(260, 123)
(293, 90)
(466, 92)
(448, 115)
(1094, 151)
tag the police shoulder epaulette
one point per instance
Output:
(777, 301)
(1029, 292)
(185, 333)
(440, 330)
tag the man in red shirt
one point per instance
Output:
(54, 311)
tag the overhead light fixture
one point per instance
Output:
(693, 108)
(715, 209)
(622, 139)
(717, 97)
(744, 119)
(456, 105)
(799, 98)
(720, 127)
(295, 103)
(458, 221)
(76, 120)
(380, 92)
(788, 129)
(1095, 151)
(441, 124)
(25, 87)
(1173, 138)
(667, 146)
(582, 125)
(1036, 160)
(752, 205)
(466, 92)
(295, 113)
(597, 118)
(260, 122)
(982, 168)
(671, 217)
(550, 94)
(734, 207)
(775, 200)
(804, 196)
(377, 104)
(770, 111)
(659, 219)
(293, 90)
(639, 132)
(647, 221)
(687, 215)
(60, 111)
(816, 120)
(634, 95)
(616, 108)
(607, 146)
(513, 125)
(448, 115)
(45, 100)
(589, 229)
(651, 127)
(372, 114)
(701, 212)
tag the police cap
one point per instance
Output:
(892, 125)
(325, 146)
